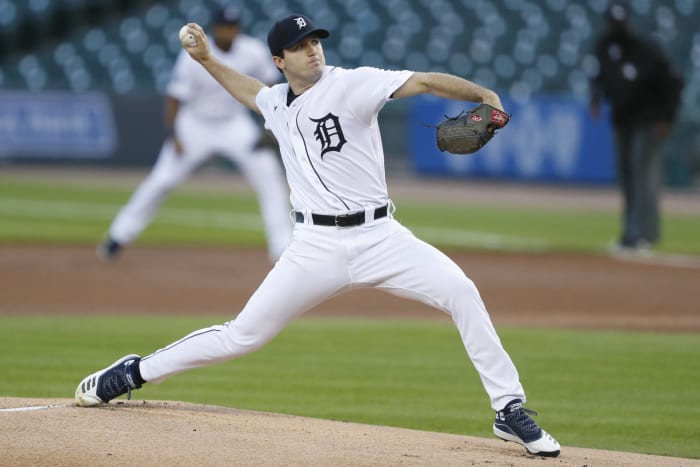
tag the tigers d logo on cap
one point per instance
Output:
(301, 22)
(290, 30)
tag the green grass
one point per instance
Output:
(608, 390)
(42, 212)
(81, 213)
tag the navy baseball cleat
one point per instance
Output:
(513, 423)
(104, 385)
(108, 249)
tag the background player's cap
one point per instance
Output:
(227, 15)
(290, 30)
(617, 13)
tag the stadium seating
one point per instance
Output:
(517, 46)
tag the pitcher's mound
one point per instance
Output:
(158, 433)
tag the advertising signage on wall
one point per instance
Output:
(547, 139)
(56, 125)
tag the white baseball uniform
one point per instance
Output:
(210, 122)
(332, 150)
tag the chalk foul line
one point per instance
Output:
(35, 407)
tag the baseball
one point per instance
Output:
(187, 39)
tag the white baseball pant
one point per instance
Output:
(325, 261)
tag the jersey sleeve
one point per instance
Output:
(370, 88)
(180, 85)
(262, 100)
(267, 100)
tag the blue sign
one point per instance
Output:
(55, 124)
(547, 139)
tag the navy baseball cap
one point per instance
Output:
(290, 30)
(227, 15)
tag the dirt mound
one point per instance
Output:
(56, 432)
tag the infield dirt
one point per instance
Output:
(543, 290)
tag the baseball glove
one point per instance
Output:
(470, 130)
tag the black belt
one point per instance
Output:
(343, 220)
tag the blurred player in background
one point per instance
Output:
(644, 92)
(203, 120)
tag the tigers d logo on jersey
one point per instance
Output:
(329, 133)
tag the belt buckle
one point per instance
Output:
(349, 220)
(338, 220)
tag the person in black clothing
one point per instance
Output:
(643, 89)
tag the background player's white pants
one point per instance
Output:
(234, 139)
(323, 261)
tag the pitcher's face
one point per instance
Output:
(304, 61)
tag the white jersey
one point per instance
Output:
(329, 138)
(202, 95)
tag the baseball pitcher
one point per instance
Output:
(345, 237)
